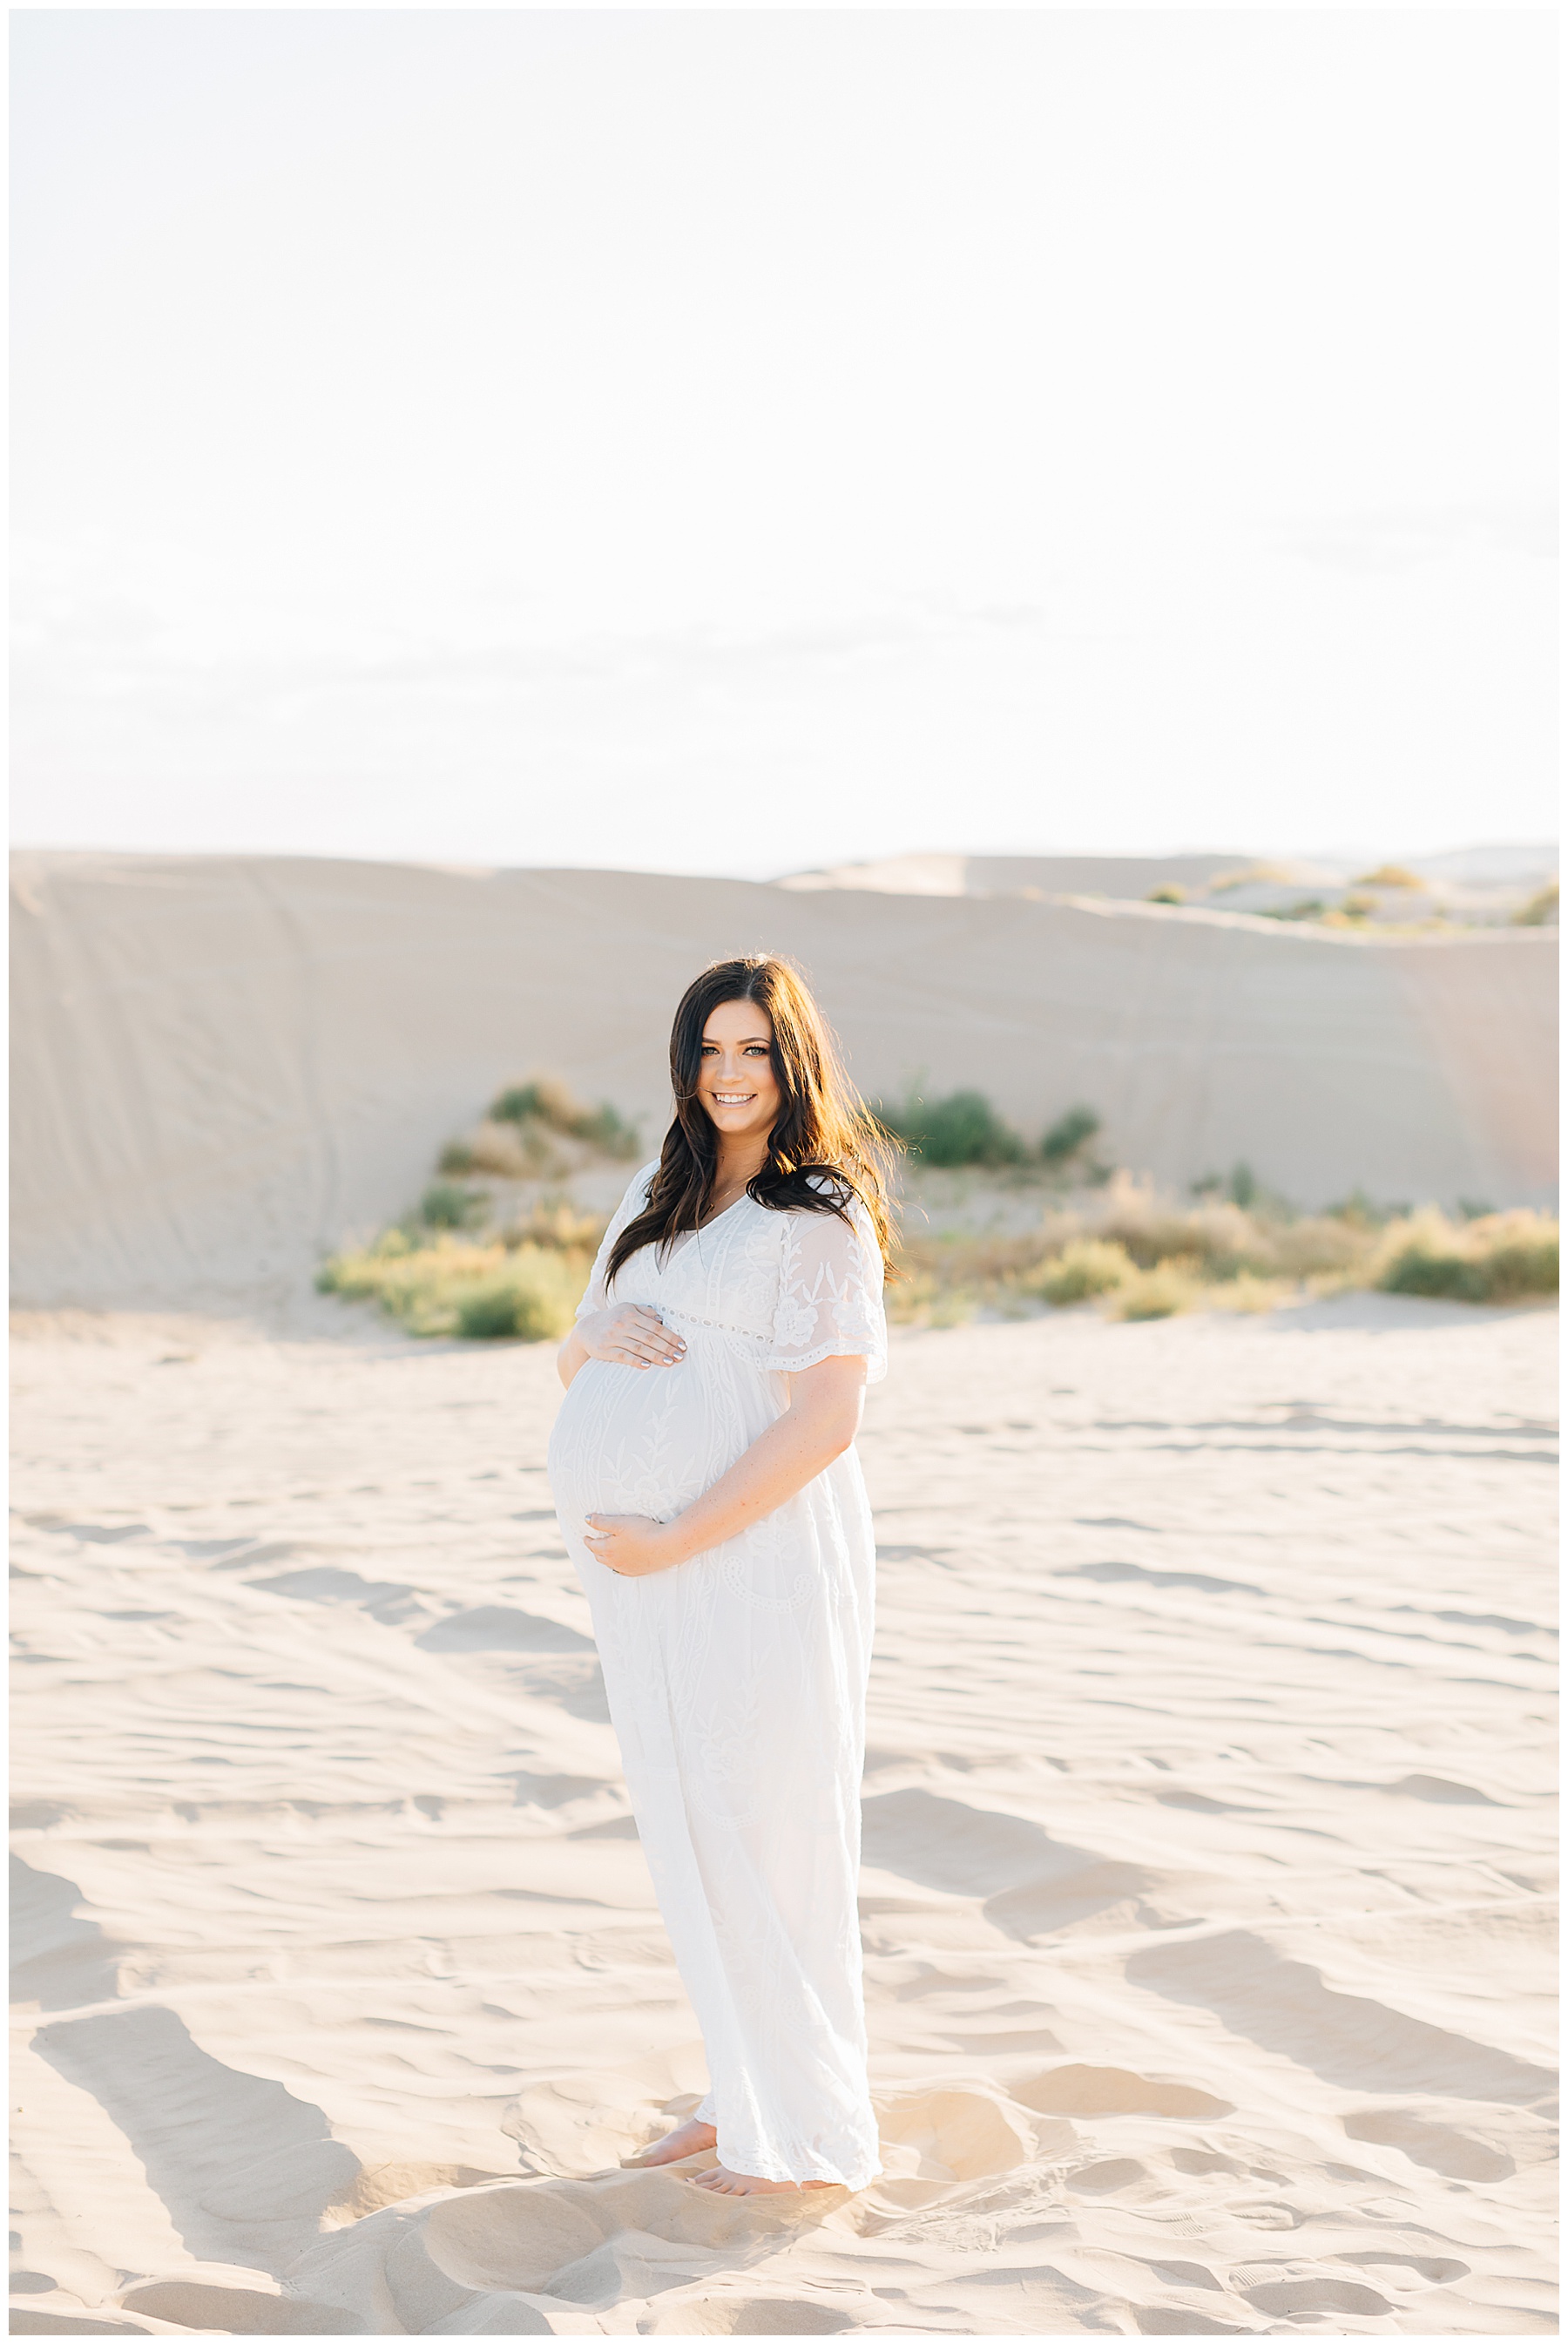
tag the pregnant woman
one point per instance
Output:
(712, 1502)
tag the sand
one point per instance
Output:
(227, 1065)
(1208, 1845)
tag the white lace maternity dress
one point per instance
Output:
(737, 1680)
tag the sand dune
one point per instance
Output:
(1476, 886)
(223, 1066)
(1128, 877)
(1522, 867)
(1208, 1844)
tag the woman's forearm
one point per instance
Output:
(802, 1443)
(571, 1356)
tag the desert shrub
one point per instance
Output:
(1229, 1241)
(1541, 912)
(610, 1133)
(1219, 1241)
(1310, 907)
(529, 1300)
(1256, 874)
(560, 1225)
(513, 1151)
(1167, 892)
(1219, 1234)
(1149, 1257)
(445, 1205)
(428, 1287)
(551, 1103)
(1389, 874)
(1502, 1257)
(1313, 1247)
(1243, 1187)
(910, 1301)
(978, 1259)
(1069, 1136)
(457, 1158)
(1520, 1252)
(543, 1101)
(963, 1128)
(1247, 1293)
(1086, 1266)
(1159, 1293)
(1358, 1211)
(941, 1297)
(488, 1312)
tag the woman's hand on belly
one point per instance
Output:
(633, 1546)
(632, 1335)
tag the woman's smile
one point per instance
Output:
(738, 1085)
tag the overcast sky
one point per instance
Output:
(739, 441)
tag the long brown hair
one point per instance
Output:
(825, 1149)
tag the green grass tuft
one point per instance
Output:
(963, 1128)
(551, 1104)
(1086, 1267)
(1310, 907)
(1541, 912)
(445, 1205)
(524, 1302)
(545, 1101)
(1161, 1292)
(1069, 1136)
(1499, 1257)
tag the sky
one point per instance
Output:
(742, 441)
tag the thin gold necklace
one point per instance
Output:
(728, 1197)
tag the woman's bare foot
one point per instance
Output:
(747, 2184)
(688, 2139)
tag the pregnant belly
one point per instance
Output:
(646, 1442)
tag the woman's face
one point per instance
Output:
(736, 1081)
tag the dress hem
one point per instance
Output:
(763, 2168)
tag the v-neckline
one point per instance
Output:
(743, 1198)
(686, 1237)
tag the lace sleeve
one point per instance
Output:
(829, 1294)
(630, 1205)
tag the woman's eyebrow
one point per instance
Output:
(765, 1039)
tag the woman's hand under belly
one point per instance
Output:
(634, 1546)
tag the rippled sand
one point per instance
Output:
(1207, 1858)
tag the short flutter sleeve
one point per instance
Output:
(829, 1294)
(632, 1204)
